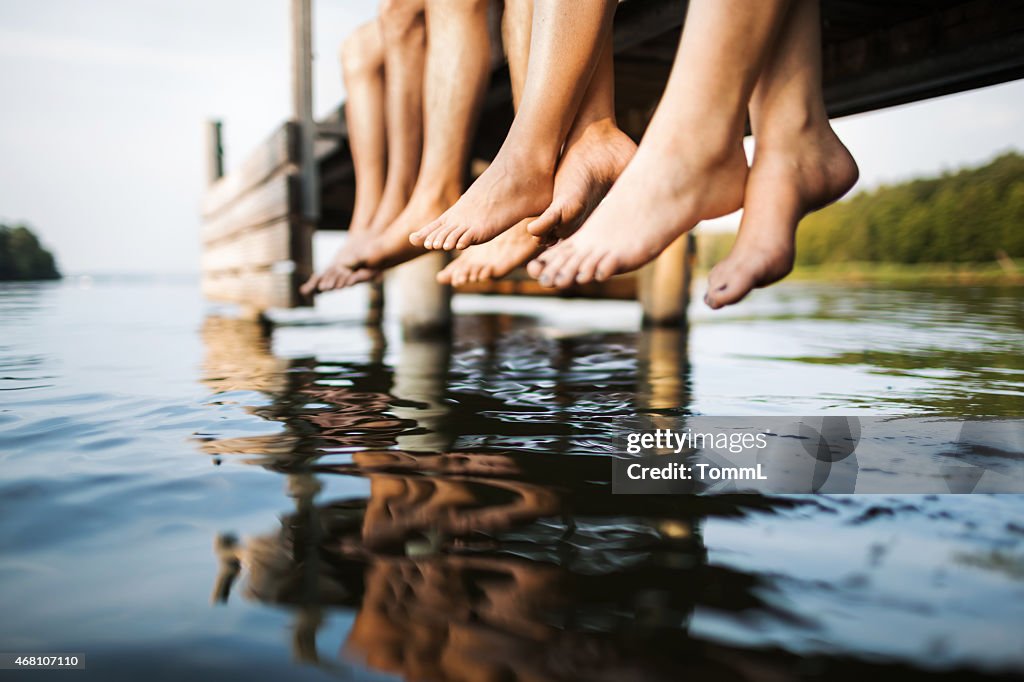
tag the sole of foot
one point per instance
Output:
(509, 191)
(660, 195)
(493, 260)
(344, 263)
(591, 163)
(787, 181)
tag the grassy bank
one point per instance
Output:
(916, 273)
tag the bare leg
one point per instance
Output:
(458, 69)
(565, 44)
(403, 28)
(511, 249)
(690, 164)
(403, 33)
(362, 65)
(595, 154)
(799, 163)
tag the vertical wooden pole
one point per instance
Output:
(302, 112)
(214, 151)
(302, 104)
(425, 305)
(664, 290)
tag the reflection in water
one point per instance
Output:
(489, 545)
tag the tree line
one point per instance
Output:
(974, 215)
(22, 257)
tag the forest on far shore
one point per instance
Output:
(22, 257)
(974, 215)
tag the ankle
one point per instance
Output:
(530, 153)
(438, 193)
(795, 126)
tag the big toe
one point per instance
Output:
(726, 286)
(448, 274)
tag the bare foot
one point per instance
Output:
(348, 260)
(592, 162)
(392, 247)
(341, 267)
(513, 188)
(492, 260)
(661, 194)
(789, 179)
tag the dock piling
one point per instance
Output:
(425, 306)
(664, 285)
(214, 151)
(302, 112)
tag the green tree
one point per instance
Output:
(22, 257)
(973, 215)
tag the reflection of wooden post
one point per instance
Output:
(375, 305)
(665, 284)
(663, 370)
(420, 379)
(214, 152)
(425, 305)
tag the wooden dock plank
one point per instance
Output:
(261, 288)
(518, 283)
(275, 199)
(259, 247)
(278, 152)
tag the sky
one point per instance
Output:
(103, 106)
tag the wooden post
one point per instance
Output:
(425, 305)
(214, 151)
(302, 112)
(302, 104)
(664, 285)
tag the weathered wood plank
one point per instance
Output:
(622, 287)
(262, 289)
(260, 247)
(280, 151)
(941, 51)
(275, 199)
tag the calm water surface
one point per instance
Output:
(185, 497)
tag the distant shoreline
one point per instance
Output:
(917, 273)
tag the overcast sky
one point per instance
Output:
(103, 103)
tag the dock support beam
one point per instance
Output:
(214, 151)
(302, 112)
(425, 306)
(664, 285)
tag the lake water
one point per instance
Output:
(183, 497)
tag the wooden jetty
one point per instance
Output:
(259, 220)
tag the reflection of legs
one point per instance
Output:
(799, 163)
(458, 69)
(690, 164)
(565, 44)
(362, 64)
